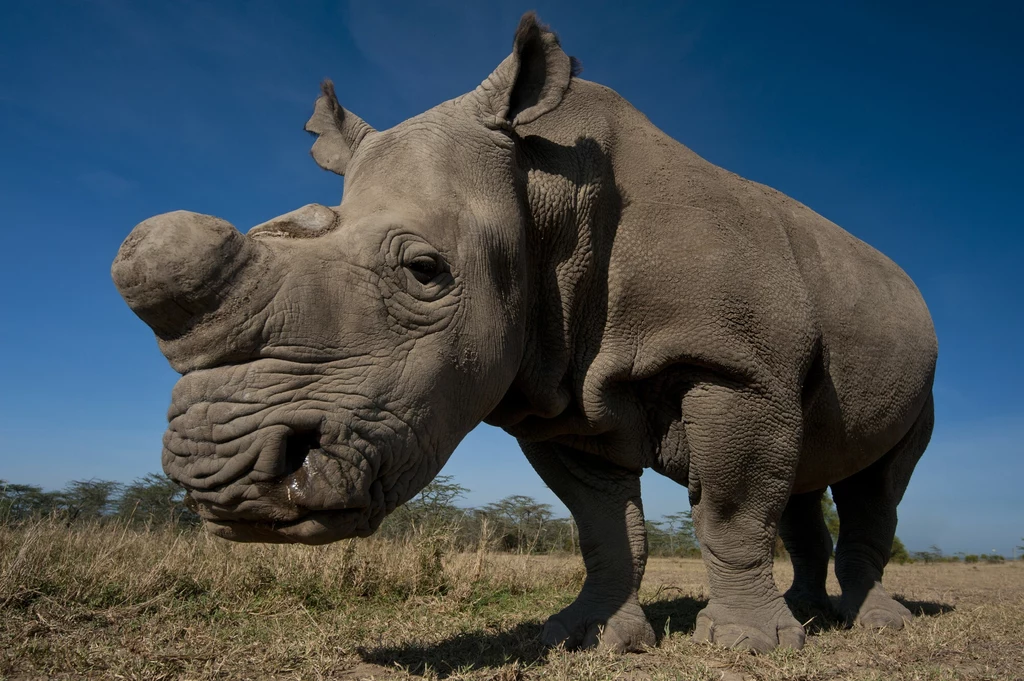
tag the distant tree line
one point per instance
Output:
(515, 524)
(935, 555)
(152, 500)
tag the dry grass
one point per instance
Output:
(105, 602)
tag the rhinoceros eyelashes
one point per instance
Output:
(425, 268)
(429, 277)
(419, 270)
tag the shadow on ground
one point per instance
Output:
(679, 615)
(817, 621)
(673, 615)
(494, 648)
(925, 608)
(468, 651)
(488, 649)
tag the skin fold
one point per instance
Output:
(537, 255)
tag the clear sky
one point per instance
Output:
(903, 126)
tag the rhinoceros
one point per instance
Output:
(537, 255)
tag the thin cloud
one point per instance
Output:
(107, 183)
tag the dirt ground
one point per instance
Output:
(110, 603)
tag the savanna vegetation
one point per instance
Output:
(125, 585)
(515, 524)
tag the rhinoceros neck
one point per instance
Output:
(576, 202)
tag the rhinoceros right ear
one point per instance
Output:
(338, 132)
(531, 81)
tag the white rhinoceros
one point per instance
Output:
(537, 255)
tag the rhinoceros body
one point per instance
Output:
(536, 254)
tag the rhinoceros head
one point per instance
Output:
(333, 357)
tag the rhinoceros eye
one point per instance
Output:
(424, 268)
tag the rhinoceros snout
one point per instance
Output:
(177, 267)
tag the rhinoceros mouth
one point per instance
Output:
(320, 527)
(305, 505)
(268, 451)
(298, 483)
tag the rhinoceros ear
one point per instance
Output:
(532, 80)
(338, 132)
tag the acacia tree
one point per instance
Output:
(520, 521)
(155, 499)
(432, 509)
(89, 499)
(437, 499)
(22, 502)
(657, 538)
(672, 536)
(932, 555)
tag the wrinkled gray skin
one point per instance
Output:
(537, 255)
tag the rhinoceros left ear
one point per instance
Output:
(532, 80)
(338, 131)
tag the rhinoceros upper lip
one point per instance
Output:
(302, 468)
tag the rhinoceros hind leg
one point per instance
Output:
(605, 502)
(866, 503)
(809, 544)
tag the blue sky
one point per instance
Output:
(902, 126)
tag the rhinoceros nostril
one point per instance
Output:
(297, 447)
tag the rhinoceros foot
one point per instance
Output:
(877, 610)
(755, 629)
(589, 625)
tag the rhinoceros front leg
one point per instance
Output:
(605, 502)
(744, 448)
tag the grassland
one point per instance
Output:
(106, 602)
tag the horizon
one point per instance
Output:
(555, 516)
(901, 127)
